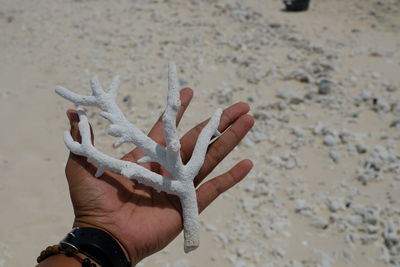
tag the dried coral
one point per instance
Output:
(181, 181)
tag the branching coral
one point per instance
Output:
(181, 181)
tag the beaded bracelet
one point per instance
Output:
(56, 249)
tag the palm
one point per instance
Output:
(130, 211)
(144, 220)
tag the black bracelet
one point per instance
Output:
(95, 244)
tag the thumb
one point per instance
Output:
(73, 121)
(75, 162)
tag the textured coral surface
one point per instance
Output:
(182, 175)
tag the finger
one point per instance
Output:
(73, 121)
(76, 162)
(157, 131)
(210, 190)
(224, 145)
(230, 115)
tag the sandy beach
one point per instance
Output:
(323, 87)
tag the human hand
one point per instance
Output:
(143, 220)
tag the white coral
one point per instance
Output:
(181, 181)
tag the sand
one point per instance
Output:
(323, 86)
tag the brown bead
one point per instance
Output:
(86, 262)
(49, 251)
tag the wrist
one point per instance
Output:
(97, 244)
(62, 260)
(128, 255)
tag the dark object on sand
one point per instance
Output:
(296, 5)
(324, 87)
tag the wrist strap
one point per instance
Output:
(96, 244)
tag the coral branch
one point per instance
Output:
(173, 104)
(190, 222)
(126, 168)
(120, 126)
(174, 162)
(181, 182)
(200, 150)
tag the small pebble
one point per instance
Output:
(330, 140)
(324, 87)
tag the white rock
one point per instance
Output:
(298, 132)
(330, 140)
(361, 148)
(336, 204)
